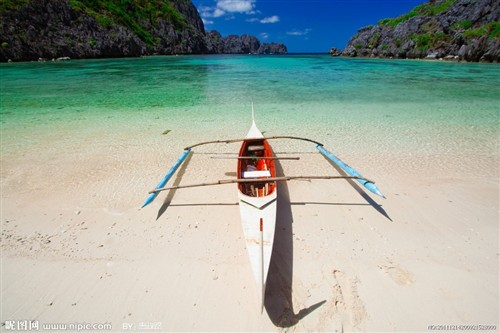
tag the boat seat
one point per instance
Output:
(256, 148)
(256, 174)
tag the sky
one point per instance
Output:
(302, 25)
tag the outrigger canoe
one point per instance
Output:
(257, 202)
(258, 191)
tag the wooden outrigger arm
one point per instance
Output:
(369, 185)
(352, 173)
(257, 139)
(256, 180)
(253, 158)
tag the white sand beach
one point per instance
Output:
(76, 248)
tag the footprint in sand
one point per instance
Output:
(345, 310)
(397, 273)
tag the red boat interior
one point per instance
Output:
(256, 165)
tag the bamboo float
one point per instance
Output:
(255, 180)
(167, 177)
(369, 185)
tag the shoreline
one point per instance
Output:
(65, 58)
(82, 145)
(428, 58)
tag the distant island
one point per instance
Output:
(463, 30)
(75, 29)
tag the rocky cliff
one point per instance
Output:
(33, 29)
(451, 29)
(244, 44)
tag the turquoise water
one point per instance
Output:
(363, 104)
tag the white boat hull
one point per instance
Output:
(258, 207)
(259, 236)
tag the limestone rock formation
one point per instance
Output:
(450, 29)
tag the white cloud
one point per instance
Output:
(264, 35)
(299, 32)
(270, 19)
(236, 6)
(228, 7)
(205, 11)
(207, 22)
(218, 12)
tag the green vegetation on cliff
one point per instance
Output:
(133, 14)
(451, 29)
(425, 9)
(11, 4)
(492, 30)
(429, 37)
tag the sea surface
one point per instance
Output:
(364, 105)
